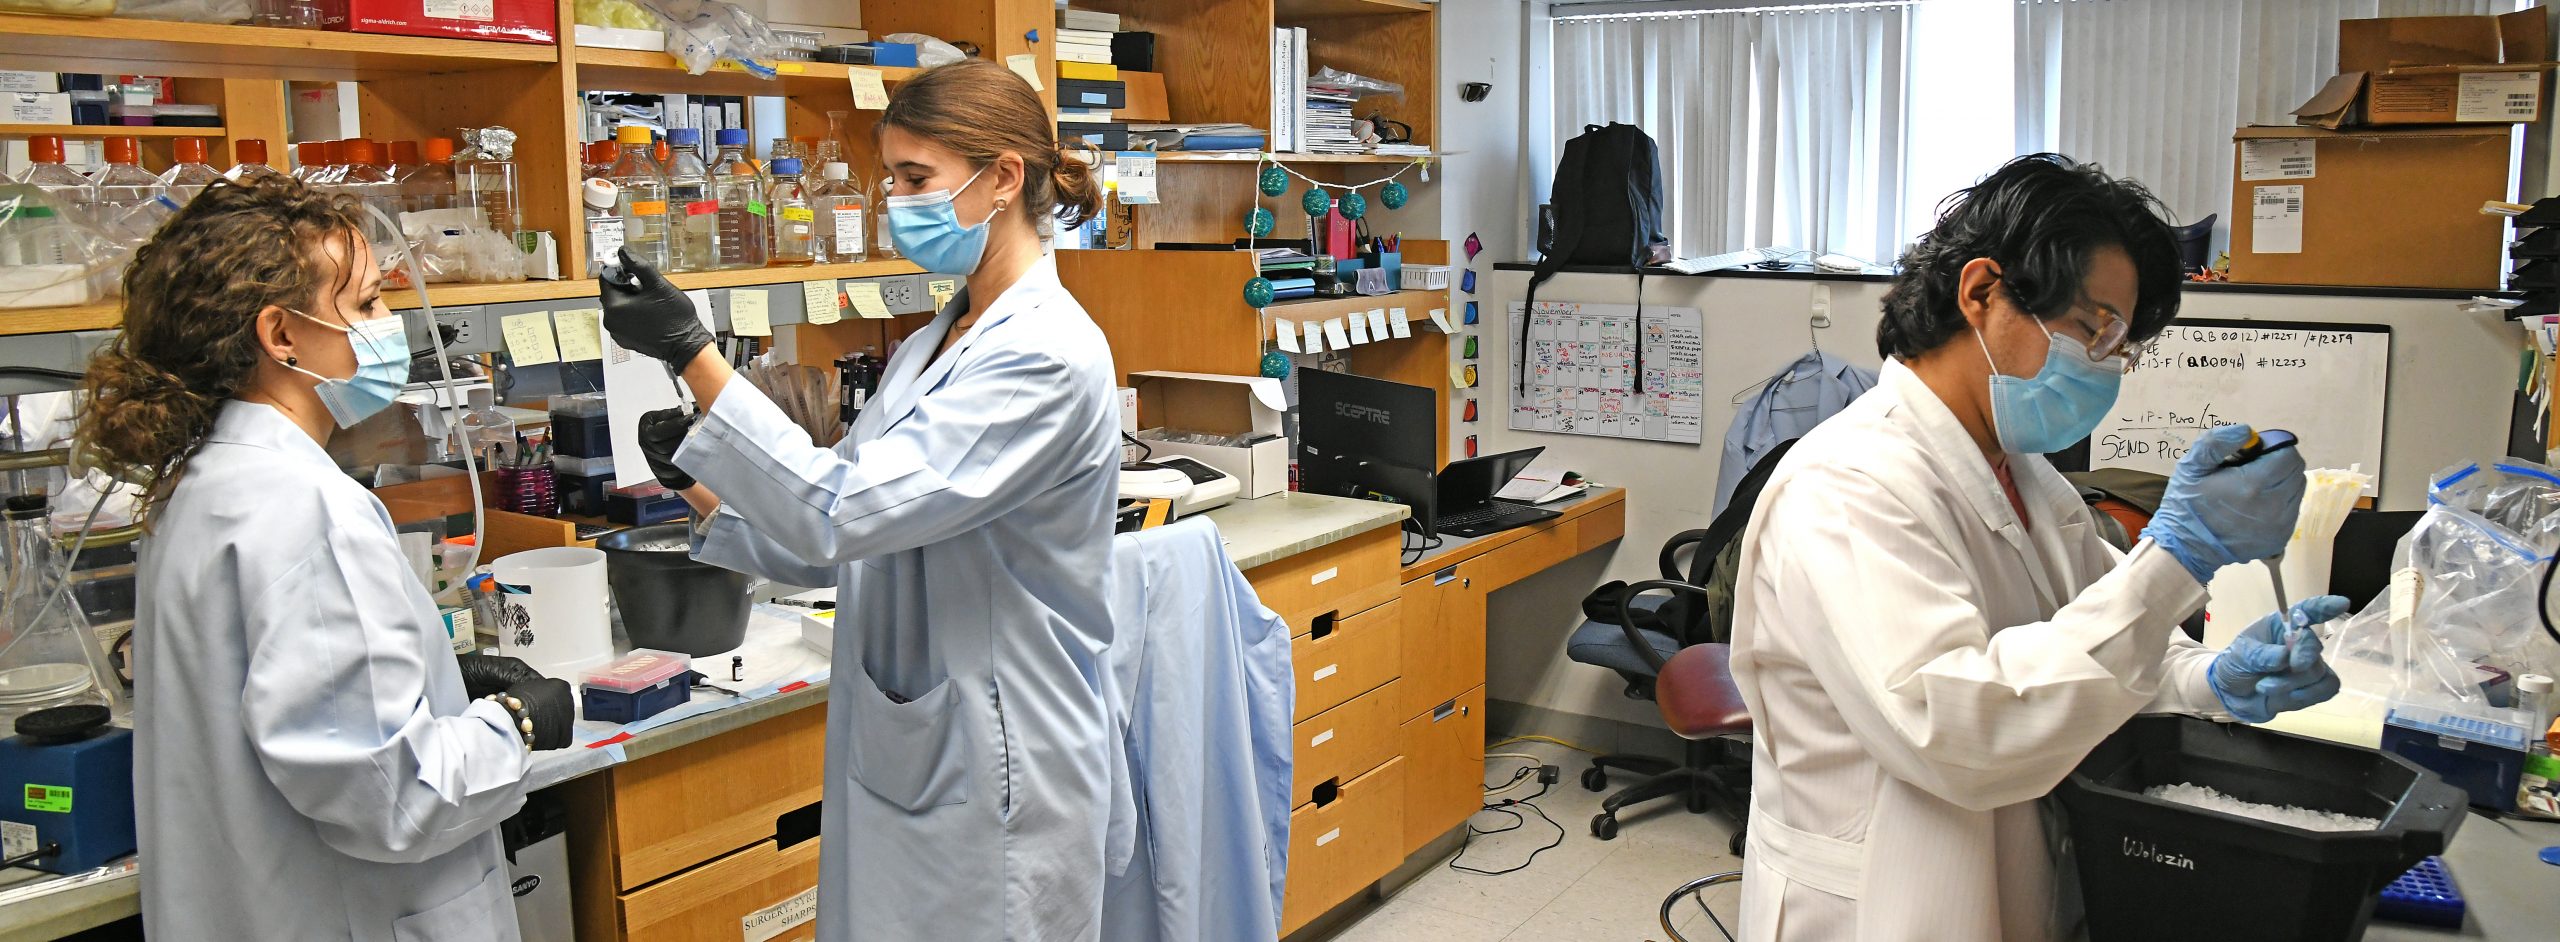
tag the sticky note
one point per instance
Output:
(1315, 337)
(869, 94)
(1028, 66)
(818, 298)
(1397, 326)
(866, 300)
(1440, 319)
(1359, 329)
(529, 339)
(1378, 323)
(1286, 332)
(747, 314)
(1336, 334)
(1470, 318)
(1462, 376)
(581, 334)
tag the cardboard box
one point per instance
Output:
(2368, 208)
(2435, 70)
(38, 107)
(515, 21)
(42, 83)
(1246, 406)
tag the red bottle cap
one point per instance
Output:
(44, 149)
(190, 150)
(663, 153)
(359, 153)
(333, 153)
(311, 154)
(250, 150)
(404, 153)
(124, 150)
(439, 149)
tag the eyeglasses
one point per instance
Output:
(2110, 337)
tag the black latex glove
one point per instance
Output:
(661, 433)
(648, 316)
(550, 706)
(485, 674)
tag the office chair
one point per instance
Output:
(1649, 631)
(1700, 702)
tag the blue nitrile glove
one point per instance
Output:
(2259, 675)
(2212, 516)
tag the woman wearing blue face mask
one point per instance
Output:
(966, 522)
(1928, 630)
(309, 760)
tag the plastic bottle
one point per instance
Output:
(692, 208)
(739, 188)
(51, 659)
(287, 14)
(333, 164)
(484, 176)
(486, 431)
(842, 233)
(640, 197)
(883, 247)
(366, 179)
(597, 162)
(795, 220)
(47, 172)
(2534, 696)
(253, 160)
(308, 158)
(124, 199)
(431, 184)
(190, 175)
(604, 223)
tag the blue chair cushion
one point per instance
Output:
(1604, 644)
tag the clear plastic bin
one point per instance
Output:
(60, 7)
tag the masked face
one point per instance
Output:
(2061, 404)
(927, 230)
(381, 347)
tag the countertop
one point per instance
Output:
(784, 677)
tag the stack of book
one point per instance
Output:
(1089, 85)
(1292, 273)
(1325, 122)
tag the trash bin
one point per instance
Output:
(2153, 869)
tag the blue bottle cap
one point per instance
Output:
(726, 137)
(684, 137)
(2551, 855)
(788, 166)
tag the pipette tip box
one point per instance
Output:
(639, 685)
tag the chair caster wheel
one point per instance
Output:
(1604, 826)
(1595, 779)
(1735, 845)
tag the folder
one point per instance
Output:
(1089, 71)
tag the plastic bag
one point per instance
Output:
(615, 14)
(701, 33)
(51, 257)
(189, 11)
(930, 52)
(458, 245)
(2479, 552)
(1354, 81)
(2522, 496)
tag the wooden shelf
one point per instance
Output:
(52, 320)
(1417, 306)
(93, 131)
(1288, 10)
(636, 70)
(1246, 157)
(74, 44)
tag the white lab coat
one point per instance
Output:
(966, 520)
(306, 764)
(1921, 668)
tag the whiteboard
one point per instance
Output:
(2323, 382)
(1581, 378)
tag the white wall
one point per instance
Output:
(2451, 378)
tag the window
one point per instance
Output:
(1837, 127)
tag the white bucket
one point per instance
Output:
(552, 609)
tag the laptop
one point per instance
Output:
(1466, 505)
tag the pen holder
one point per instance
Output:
(1392, 263)
(532, 491)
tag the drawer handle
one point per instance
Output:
(1444, 711)
(1445, 576)
(1323, 672)
(1320, 739)
(796, 825)
(1328, 837)
(1325, 792)
(1322, 626)
(1325, 576)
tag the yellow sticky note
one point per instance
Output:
(529, 339)
(1026, 65)
(581, 334)
(868, 92)
(941, 289)
(818, 298)
(747, 314)
(866, 300)
(1461, 376)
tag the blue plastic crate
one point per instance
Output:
(2423, 896)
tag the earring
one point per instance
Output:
(293, 361)
(1000, 204)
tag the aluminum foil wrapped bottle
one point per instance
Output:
(484, 176)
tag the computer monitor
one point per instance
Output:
(1365, 437)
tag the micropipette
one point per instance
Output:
(2260, 445)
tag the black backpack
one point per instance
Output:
(1606, 209)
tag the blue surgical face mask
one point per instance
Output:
(2057, 407)
(927, 230)
(381, 346)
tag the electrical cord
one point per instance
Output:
(1144, 451)
(2542, 603)
(1414, 554)
(1550, 740)
(1518, 821)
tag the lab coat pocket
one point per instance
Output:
(474, 916)
(915, 754)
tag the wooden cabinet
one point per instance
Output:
(1345, 578)
(1345, 658)
(766, 885)
(1337, 849)
(1443, 636)
(1338, 745)
(1444, 776)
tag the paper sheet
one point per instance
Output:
(1315, 337)
(1136, 184)
(2275, 220)
(1397, 327)
(818, 301)
(869, 94)
(1028, 66)
(866, 300)
(1581, 371)
(581, 334)
(1359, 329)
(748, 316)
(1378, 322)
(633, 386)
(1286, 332)
(1336, 334)
(1440, 319)
(529, 339)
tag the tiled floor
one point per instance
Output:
(1583, 890)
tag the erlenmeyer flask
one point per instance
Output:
(48, 658)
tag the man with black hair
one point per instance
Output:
(1928, 631)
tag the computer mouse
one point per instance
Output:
(1841, 263)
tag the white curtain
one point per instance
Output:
(1776, 128)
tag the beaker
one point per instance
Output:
(48, 658)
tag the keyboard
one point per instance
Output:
(1491, 518)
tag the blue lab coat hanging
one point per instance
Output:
(966, 523)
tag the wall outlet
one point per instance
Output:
(903, 293)
(474, 329)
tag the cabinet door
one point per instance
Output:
(1443, 636)
(1445, 749)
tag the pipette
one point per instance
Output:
(2260, 445)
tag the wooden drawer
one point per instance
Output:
(772, 886)
(1345, 578)
(1345, 742)
(1444, 636)
(1338, 849)
(1444, 768)
(680, 808)
(1351, 657)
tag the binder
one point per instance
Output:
(1089, 71)
(1283, 131)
